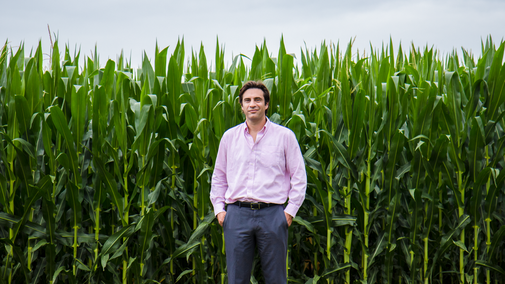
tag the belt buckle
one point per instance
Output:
(252, 208)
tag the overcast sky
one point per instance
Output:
(135, 26)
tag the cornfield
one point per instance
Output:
(105, 170)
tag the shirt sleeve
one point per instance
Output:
(298, 177)
(219, 180)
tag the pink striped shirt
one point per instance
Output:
(269, 170)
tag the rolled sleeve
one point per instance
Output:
(298, 176)
(219, 180)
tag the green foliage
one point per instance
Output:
(105, 172)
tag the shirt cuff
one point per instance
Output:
(218, 208)
(291, 209)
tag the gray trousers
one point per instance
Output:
(266, 229)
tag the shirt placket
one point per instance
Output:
(255, 155)
(250, 165)
(252, 161)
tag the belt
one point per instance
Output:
(253, 205)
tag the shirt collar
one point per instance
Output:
(265, 127)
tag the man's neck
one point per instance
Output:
(256, 126)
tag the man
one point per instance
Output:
(259, 166)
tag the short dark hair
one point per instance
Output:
(255, 85)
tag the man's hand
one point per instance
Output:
(220, 217)
(289, 218)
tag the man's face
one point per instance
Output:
(253, 105)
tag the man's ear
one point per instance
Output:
(266, 106)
